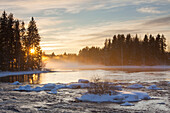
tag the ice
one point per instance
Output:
(24, 88)
(135, 86)
(121, 97)
(7, 73)
(83, 81)
(142, 95)
(53, 91)
(78, 85)
(49, 86)
(127, 104)
(153, 87)
(38, 89)
(16, 83)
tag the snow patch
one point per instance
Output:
(153, 87)
(127, 104)
(49, 86)
(53, 91)
(78, 85)
(7, 73)
(16, 83)
(24, 88)
(135, 86)
(121, 97)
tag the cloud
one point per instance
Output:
(163, 21)
(152, 10)
(54, 18)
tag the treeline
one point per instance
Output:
(127, 50)
(19, 47)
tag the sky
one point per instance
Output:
(70, 25)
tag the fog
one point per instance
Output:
(55, 64)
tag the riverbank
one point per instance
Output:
(8, 73)
(64, 100)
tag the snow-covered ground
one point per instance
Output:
(7, 73)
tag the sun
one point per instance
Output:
(32, 51)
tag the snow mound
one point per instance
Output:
(127, 104)
(16, 83)
(121, 97)
(24, 88)
(83, 81)
(153, 87)
(38, 89)
(49, 86)
(135, 86)
(78, 85)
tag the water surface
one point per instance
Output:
(110, 75)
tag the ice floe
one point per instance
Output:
(153, 87)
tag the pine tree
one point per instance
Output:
(32, 42)
(3, 42)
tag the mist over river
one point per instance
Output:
(66, 72)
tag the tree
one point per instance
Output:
(32, 41)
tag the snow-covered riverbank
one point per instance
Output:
(7, 73)
(65, 100)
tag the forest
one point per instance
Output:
(128, 50)
(19, 47)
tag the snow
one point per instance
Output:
(135, 86)
(127, 104)
(78, 85)
(49, 86)
(38, 89)
(7, 73)
(53, 91)
(16, 83)
(142, 95)
(24, 88)
(83, 81)
(153, 87)
(121, 97)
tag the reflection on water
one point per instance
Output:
(31, 79)
(105, 75)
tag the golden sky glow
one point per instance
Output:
(70, 25)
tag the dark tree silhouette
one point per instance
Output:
(15, 45)
(128, 51)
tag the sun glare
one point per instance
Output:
(32, 51)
